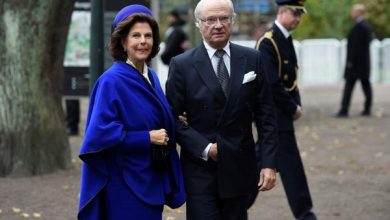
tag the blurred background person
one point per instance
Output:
(176, 40)
(358, 61)
(280, 67)
(131, 168)
(72, 116)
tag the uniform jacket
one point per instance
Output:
(358, 51)
(193, 87)
(280, 68)
(123, 109)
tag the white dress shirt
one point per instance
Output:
(285, 32)
(214, 59)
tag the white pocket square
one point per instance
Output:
(249, 76)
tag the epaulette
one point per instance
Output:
(269, 35)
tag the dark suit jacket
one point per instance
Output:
(173, 44)
(358, 51)
(281, 75)
(193, 87)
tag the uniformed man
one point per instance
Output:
(280, 67)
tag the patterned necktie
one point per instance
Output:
(222, 72)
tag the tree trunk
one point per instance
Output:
(33, 137)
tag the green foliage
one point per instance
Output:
(379, 15)
(325, 18)
(331, 18)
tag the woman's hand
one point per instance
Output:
(159, 137)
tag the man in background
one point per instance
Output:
(358, 61)
(72, 116)
(176, 40)
(280, 67)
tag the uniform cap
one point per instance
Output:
(296, 5)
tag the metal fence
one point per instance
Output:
(321, 61)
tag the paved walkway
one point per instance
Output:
(347, 163)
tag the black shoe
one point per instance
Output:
(342, 115)
(366, 113)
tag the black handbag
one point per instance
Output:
(160, 157)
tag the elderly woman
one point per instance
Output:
(130, 164)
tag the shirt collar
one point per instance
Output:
(285, 32)
(145, 72)
(359, 19)
(211, 51)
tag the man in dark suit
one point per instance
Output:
(280, 67)
(358, 61)
(176, 40)
(221, 88)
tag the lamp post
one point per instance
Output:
(97, 44)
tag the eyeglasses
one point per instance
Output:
(213, 20)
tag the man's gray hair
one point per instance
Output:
(200, 5)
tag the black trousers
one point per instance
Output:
(290, 167)
(72, 115)
(211, 207)
(347, 94)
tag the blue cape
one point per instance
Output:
(123, 109)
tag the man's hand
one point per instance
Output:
(213, 152)
(298, 113)
(183, 118)
(267, 179)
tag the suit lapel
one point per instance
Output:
(205, 69)
(283, 43)
(237, 68)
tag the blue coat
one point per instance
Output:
(123, 109)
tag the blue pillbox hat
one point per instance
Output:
(129, 10)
